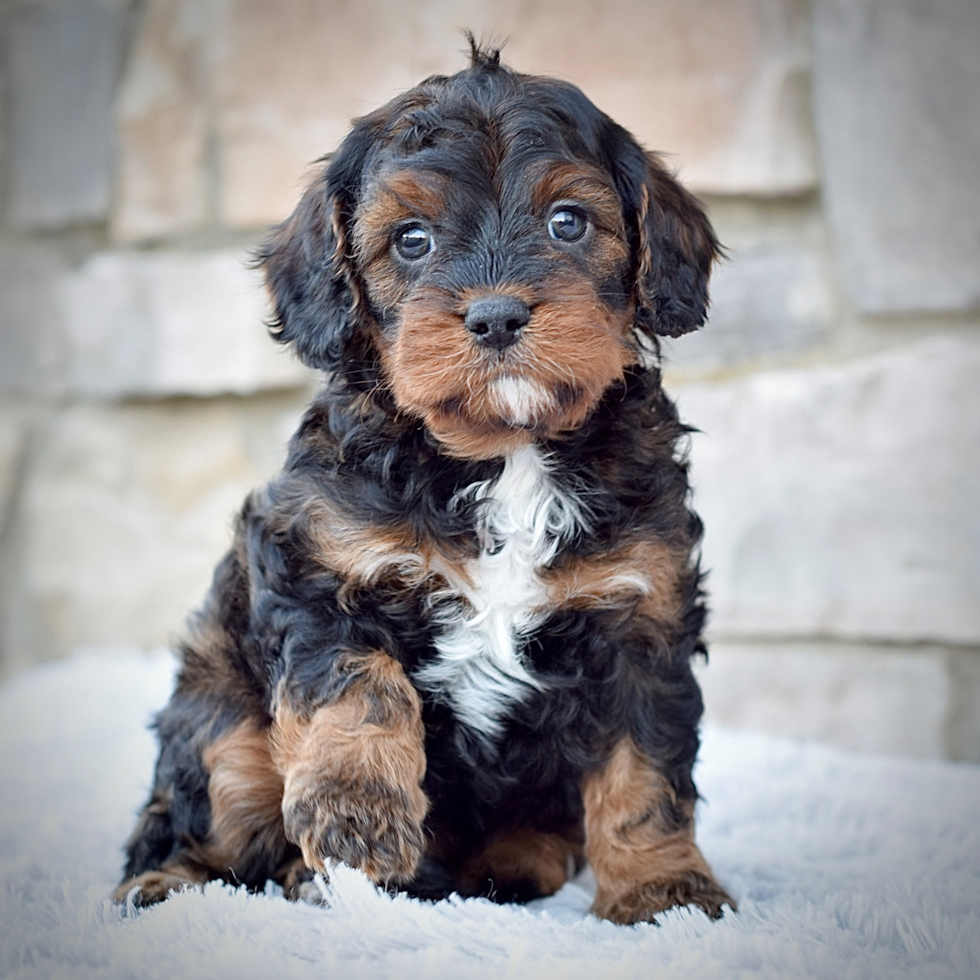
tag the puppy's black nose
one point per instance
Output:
(497, 321)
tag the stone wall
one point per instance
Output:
(145, 145)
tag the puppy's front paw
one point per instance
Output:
(373, 826)
(641, 903)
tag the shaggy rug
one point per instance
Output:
(845, 866)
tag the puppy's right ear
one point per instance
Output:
(307, 263)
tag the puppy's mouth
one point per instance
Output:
(479, 400)
(510, 400)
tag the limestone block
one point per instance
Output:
(31, 335)
(170, 323)
(771, 292)
(766, 299)
(63, 62)
(719, 84)
(13, 438)
(125, 511)
(162, 124)
(867, 699)
(963, 718)
(898, 118)
(842, 501)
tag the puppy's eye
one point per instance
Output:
(567, 225)
(413, 242)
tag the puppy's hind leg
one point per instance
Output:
(215, 811)
(155, 865)
(640, 843)
(158, 860)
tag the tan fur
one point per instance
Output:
(646, 574)
(363, 553)
(398, 197)
(640, 843)
(155, 886)
(209, 656)
(543, 859)
(297, 883)
(646, 246)
(589, 187)
(245, 790)
(353, 772)
(572, 348)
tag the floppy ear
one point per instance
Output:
(676, 246)
(307, 262)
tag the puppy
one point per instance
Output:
(451, 643)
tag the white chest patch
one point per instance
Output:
(523, 521)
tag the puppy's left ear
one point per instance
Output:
(676, 247)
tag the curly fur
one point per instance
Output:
(461, 620)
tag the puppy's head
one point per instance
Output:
(492, 251)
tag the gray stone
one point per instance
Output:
(31, 336)
(124, 512)
(768, 298)
(13, 446)
(63, 63)
(856, 697)
(842, 501)
(771, 292)
(13, 438)
(897, 110)
(963, 718)
(171, 323)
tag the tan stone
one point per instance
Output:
(125, 511)
(963, 718)
(719, 84)
(162, 124)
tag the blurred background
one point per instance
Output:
(146, 144)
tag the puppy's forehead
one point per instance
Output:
(404, 189)
(519, 173)
(483, 146)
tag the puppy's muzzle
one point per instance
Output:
(497, 321)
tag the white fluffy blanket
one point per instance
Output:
(845, 866)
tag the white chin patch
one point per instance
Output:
(520, 401)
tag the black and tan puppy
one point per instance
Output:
(451, 643)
